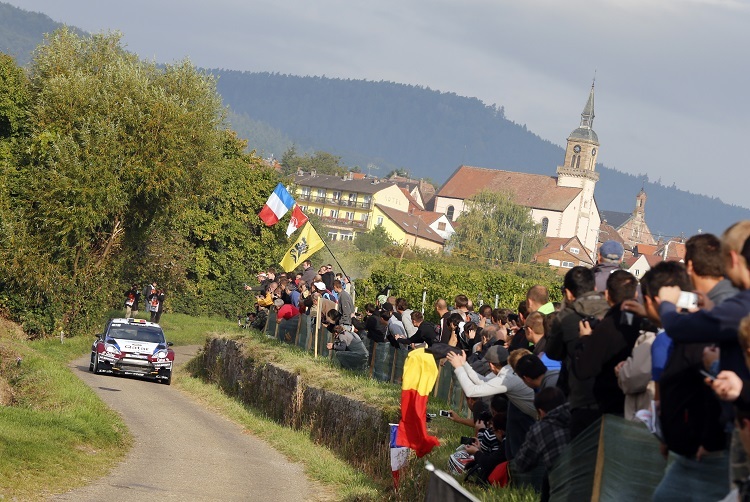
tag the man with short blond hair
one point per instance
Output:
(537, 299)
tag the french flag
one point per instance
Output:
(277, 205)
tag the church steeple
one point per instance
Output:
(587, 117)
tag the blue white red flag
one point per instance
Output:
(277, 205)
(399, 455)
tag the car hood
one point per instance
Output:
(135, 346)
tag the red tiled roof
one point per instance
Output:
(530, 190)
(553, 250)
(653, 260)
(413, 204)
(645, 249)
(411, 224)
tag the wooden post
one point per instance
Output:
(437, 382)
(317, 328)
(299, 323)
(372, 361)
(393, 365)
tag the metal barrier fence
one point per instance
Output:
(385, 364)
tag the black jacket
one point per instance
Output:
(596, 356)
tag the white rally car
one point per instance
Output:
(133, 347)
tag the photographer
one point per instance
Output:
(601, 348)
(582, 301)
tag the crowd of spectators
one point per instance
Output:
(671, 350)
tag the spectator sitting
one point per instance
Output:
(349, 351)
(501, 380)
(535, 374)
(548, 437)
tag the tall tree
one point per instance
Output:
(126, 173)
(496, 229)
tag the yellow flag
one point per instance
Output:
(306, 245)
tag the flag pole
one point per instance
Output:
(325, 243)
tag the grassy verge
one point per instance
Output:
(57, 433)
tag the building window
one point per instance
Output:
(364, 217)
(332, 236)
(575, 250)
(573, 161)
(334, 213)
(379, 221)
(349, 215)
(318, 211)
(578, 161)
(303, 208)
(347, 236)
(545, 225)
(441, 225)
(336, 195)
(449, 213)
(568, 264)
(306, 191)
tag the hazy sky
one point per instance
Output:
(671, 75)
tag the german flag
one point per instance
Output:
(420, 374)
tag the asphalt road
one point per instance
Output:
(184, 452)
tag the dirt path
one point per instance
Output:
(183, 452)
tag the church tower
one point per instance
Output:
(579, 171)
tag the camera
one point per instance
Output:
(593, 321)
(445, 413)
(467, 440)
(687, 300)
(627, 318)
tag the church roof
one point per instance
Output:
(531, 190)
(615, 218)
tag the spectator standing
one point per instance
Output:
(608, 260)
(582, 302)
(308, 272)
(601, 348)
(345, 305)
(537, 300)
(160, 296)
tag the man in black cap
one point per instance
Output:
(501, 380)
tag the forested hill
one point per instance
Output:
(21, 31)
(430, 133)
(389, 125)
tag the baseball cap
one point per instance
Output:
(320, 285)
(612, 250)
(496, 355)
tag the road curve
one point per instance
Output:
(184, 452)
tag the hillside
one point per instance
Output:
(431, 133)
(388, 125)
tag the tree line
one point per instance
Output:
(116, 171)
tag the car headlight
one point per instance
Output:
(162, 354)
(112, 349)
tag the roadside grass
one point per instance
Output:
(57, 434)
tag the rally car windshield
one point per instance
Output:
(140, 333)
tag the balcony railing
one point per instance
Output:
(343, 222)
(335, 202)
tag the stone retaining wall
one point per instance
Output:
(357, 431)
